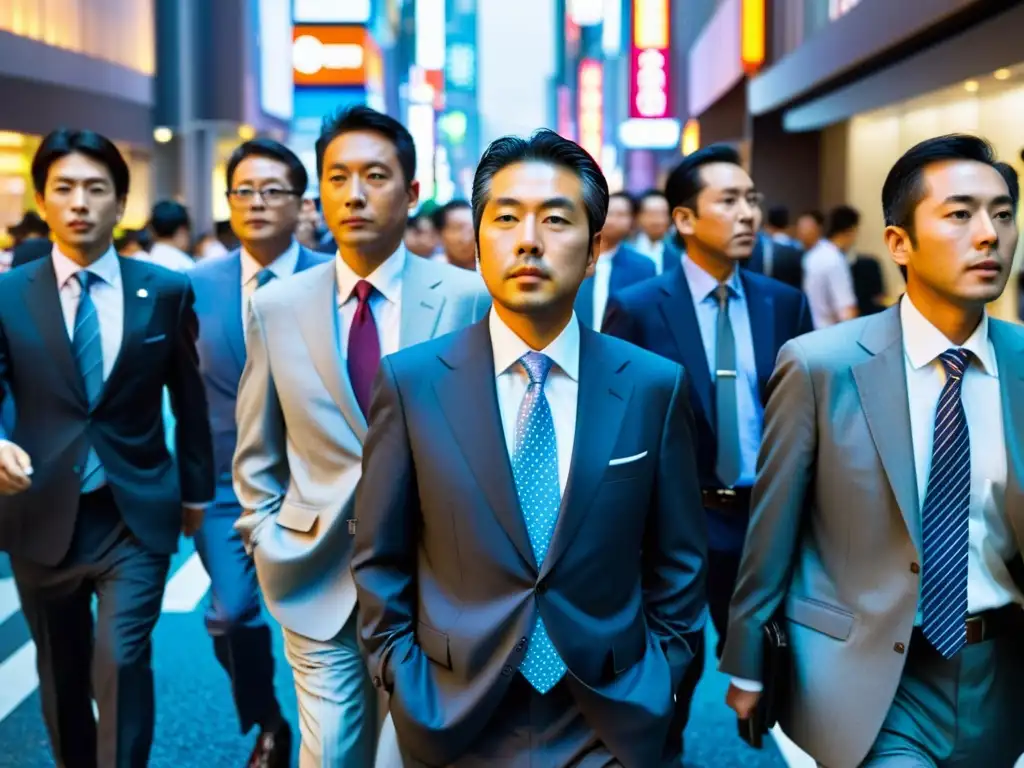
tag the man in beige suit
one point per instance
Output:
(888, 512)
(314, 345)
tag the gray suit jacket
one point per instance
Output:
(836, 527)
(301, 432)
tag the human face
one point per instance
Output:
(535, 243)
(458, 239)
(654, 219)
(964, 237)
(255, 218)
(619, 223)
(79, 203)
(727, 215)
(421, 238)
(807, 231)
(364, 194)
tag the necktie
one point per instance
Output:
(727, 431)
(363, 348)
(87, 347)
(946, 516)
(535, 470)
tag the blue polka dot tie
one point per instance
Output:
(535, 469)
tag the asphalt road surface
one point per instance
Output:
(196, 724)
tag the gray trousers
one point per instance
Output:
(957, 713)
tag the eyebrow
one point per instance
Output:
(738, 191)
(87, 180)
(553, 202)
(972, 200)
(370, 164)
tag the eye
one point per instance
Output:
(336, 178)
(553, 219)
(960, 215)
(377, 176)
(506, 218)
(1005, 215)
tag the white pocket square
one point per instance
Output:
(626, 459)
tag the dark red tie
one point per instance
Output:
(363, 348)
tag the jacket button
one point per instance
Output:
(915, 568)
(542, 588)
(377, 682)
(507, 671)
(521, 644)
(899, 648)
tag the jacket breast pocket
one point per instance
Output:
(298, 517)
(626, 467)
(434, 644)
(155, 339)
(828, 619)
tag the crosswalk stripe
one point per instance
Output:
(186, 587)
(9, 604)
(18, 678)
(791, 753)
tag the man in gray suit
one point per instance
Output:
(530, 551)
(888, 513)
(265, 183)
(314, 346)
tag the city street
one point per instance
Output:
(196, 725)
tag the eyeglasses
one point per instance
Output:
(272, 197)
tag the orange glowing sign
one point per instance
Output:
(591, 107)
(335, 56)
(752, 35)
(650, 24)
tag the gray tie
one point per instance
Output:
(87, 347)
(727, 465)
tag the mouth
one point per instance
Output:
(257, 222)
(746, 238)
(530, 274)
(988, 267)
(78, 225)
(355, 221)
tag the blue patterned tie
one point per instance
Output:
(535, 469)
(946, 516)
(87, 347)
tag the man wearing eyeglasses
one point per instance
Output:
(266, 182)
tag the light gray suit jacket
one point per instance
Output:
(301, 432)
(835, 532)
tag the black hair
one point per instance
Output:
(841, 219)
(62, 142)
(363, 118)
(818, 216)
(684, 184)
(543, 146)
(1012, 181)
(274, 150)
(778, 217)
(439, 217)
(167, 217)
(634, 204)
(31, 224)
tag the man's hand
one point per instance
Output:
(742, 702)
(191, 519)
(15, 469)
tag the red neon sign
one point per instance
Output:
(590, 90)
(649, 63)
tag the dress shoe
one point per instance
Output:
(273, 749)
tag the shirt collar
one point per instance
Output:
(923, 342)
(386, 278)
(703, 286)
(564, 351)
(106, 267)
(281, 267)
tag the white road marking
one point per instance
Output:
(186, 587)
(18, 678)
(9, 604)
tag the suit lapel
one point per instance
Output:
(585, 302)
(469, 388)
(422, 301)
(761, 311)
(43, 302)
(317, 314)
(1010, 361)
(231, 319)
(681, 318)
(139, 300)
(604, 393)
(882, 385)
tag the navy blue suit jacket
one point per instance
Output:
(628, 268)
(659, 316)
(217, 284)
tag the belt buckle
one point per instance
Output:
(726, 492)
(975, 626)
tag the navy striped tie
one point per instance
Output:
(87, 346)
(946, 516)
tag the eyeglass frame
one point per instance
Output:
(233, 196)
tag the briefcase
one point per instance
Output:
(776, 678)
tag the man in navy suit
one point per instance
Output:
(266, 182)
(712, 317)
(618, 266)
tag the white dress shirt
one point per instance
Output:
(169, 257)
(385, 303)
(107, 295)
(828, 284)
(283, 266)
(561, 387)
(602, 285)
(655, 251)
(991, 542)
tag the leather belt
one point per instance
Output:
(733, 501)
(988, 625)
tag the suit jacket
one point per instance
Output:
(836, 526)
(55, 421)
(30, 250)
(301, 432)
(787, 261)
(448, 586)
(628, 267)
(658, 315)
(218, 287)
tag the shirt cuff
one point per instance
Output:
(750, 686)
(197, 504)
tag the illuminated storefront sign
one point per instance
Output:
(649, 67)
(331, 11)
(336, 56)
(591, 106)
(752, 35)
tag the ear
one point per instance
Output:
(120, 209)
(593, 255)
(683, 218)
(40, 207)
(414, 194)
(900, 246)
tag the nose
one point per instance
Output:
(529, 242)
(985, 235)
(356, 193)
(748, 210)
(78, 199)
